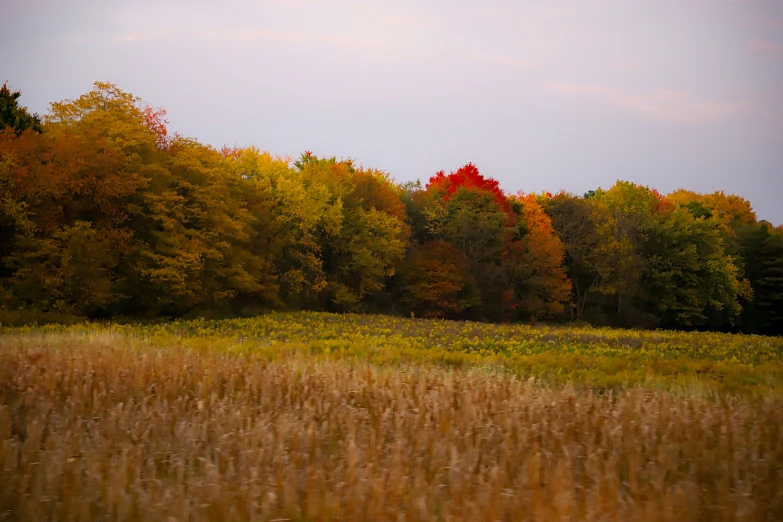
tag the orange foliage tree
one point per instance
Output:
(537, 272)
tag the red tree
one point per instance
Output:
(159, 125)
(468, 177)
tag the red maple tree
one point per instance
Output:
(469, 177)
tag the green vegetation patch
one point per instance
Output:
(600, 358)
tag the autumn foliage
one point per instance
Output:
(467, 177)
(539, 276)
(435, 281)
(106, 212)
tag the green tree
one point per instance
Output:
(70, 272)
(763, 255)
(198, 233)
(736, 222)
(691, 280)
(770, 283)
(295, 213)
(575, 222)
(370, 236)
(14, 115)
(472, 221)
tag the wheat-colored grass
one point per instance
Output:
(104, 426)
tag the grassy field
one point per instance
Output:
(308, 416)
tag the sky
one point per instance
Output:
(539, 94)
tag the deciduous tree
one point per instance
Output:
(540, 283)
(14, 115)
(435, 281)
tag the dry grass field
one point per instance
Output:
(123, 423)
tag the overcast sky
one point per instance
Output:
(540, 94)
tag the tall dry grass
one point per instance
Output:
(97, 427)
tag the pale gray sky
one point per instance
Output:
(540, 94)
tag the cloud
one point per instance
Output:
(501, 59)
(665, 105)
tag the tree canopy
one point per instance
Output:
(107, 213)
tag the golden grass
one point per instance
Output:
(104, 425)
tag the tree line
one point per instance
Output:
(106, 214)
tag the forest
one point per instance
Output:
(107, 214)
